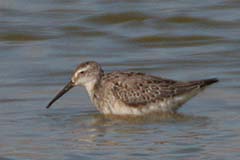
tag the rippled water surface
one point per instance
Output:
(41, 42)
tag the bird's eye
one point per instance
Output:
(82, 72)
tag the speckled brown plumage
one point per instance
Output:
(132, 93)
(138, 89)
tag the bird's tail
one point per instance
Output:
(207, 82)
(191, 89)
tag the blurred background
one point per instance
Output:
(42, 41)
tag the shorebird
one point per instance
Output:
(129, 93)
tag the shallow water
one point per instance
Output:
(41, 42)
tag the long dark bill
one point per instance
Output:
(61, 93)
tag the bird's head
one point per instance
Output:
(84, 74)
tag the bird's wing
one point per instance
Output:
(139, 89)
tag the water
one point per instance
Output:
(41, 42)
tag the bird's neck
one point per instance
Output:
(91, 87)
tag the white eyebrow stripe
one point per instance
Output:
(80, 70)
(75, 75)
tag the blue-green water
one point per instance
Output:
(41, 42)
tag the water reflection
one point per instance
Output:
(96, 132)
(91, 128)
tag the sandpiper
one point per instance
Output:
(129, 93)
